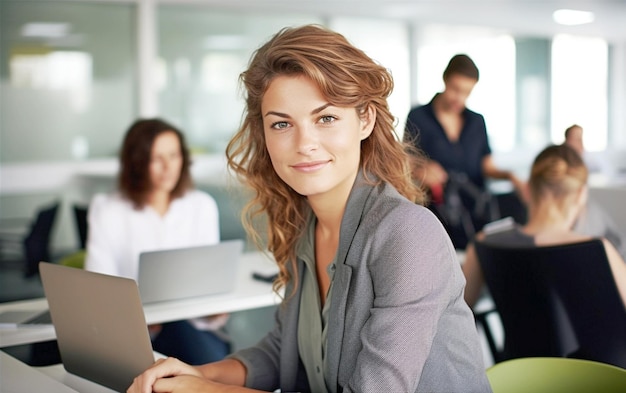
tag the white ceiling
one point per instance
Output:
(522, 17)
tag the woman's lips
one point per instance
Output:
(310, 166)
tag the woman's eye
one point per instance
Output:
(280, 125)
(327, 119)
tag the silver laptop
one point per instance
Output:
(100, 325)
(188, 272)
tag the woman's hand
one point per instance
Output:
(183, 383)
(435, 175)
(162, 369)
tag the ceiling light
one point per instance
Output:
(572, 17)
(45, 30)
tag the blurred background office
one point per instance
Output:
(74, 73)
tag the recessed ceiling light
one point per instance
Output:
(45, 30)
(572, 17)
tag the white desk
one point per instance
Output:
(25, 334)
(58, 374)
(18, 377)
(248, 294)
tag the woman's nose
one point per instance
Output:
(307, 139)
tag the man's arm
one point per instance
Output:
(490, 170)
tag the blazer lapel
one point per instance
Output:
(341, 283)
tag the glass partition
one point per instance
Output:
(580, 88)
(391, 49)
(67, 84)
(202, 52)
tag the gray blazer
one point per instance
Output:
(398, 321)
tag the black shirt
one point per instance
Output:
(464, 155)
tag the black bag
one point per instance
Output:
(466, 208)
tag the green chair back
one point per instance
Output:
(76, 259)
(555, 375)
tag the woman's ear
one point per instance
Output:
(368, 119)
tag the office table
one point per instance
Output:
(248, 294)
(18, 377)
(25, 334)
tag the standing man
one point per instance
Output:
(454, 139)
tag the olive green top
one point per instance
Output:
(313, 319)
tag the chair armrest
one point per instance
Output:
(481, 318)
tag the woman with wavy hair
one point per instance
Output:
(373, 292)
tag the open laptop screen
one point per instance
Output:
(189, 272)
(100, 324)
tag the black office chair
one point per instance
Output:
(558, 301)
(521, 302)
(80, 217)
(584, 283)
(509, 204)
(37, 242)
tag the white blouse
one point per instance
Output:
(118, 232)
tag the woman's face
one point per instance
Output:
(457, 90)
(166, 162)
(315, 147)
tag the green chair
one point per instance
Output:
(555, 375)
(76, 259)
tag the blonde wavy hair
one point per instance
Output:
(557, 171)
(347, 77)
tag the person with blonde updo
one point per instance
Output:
(558, 192)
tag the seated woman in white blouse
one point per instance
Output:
(154, 208)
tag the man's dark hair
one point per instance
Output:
(569, 129)
(463, 65)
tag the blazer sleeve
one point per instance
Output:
(262, 361)
(415, 277)
(274, 362)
